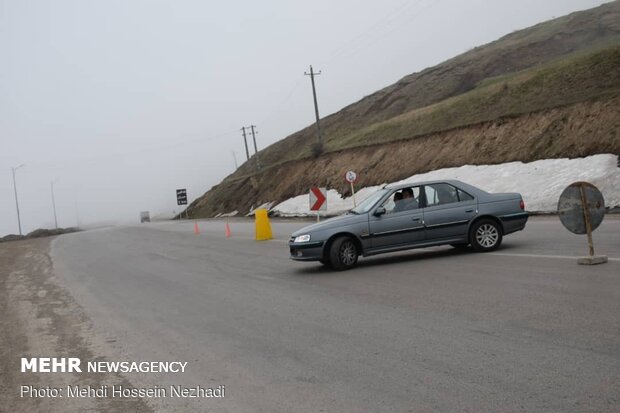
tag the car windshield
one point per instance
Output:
(369, 202)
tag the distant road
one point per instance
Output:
(521, 329)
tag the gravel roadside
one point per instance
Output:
(40, 319)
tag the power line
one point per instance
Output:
(147, 149)
(376, 31)
(277, 107)
(395, 14)
(383, 27)
(396, 11)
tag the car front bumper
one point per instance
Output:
(306, 251)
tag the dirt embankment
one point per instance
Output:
(39, 319)
(578, 130)
(39, 233)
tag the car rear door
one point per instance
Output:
(447, 212)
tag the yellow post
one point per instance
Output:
(263, 227)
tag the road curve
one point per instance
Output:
(523, 329)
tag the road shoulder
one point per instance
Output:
(40, 319)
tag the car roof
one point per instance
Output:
(454, 182)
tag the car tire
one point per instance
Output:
(343, 254)
(324, 262)
(485, 235)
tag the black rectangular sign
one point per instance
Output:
(181, 197)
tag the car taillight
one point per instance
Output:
(522, 205)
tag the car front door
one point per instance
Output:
(448, 211)
(395, 227)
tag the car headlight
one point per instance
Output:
(302, 238)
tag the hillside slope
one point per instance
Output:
(543, 43)
(551, 90)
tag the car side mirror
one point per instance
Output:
(379, 211)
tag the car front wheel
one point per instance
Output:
(343, 254)
(485, 235)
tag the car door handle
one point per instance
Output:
(415, 219)
(469, 210)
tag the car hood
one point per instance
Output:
(330, 223)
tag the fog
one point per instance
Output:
(122, 102)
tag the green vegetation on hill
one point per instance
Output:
(566, 82)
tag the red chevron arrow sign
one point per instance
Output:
(318, 198)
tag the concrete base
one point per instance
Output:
(593, 260)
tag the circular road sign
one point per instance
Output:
(571, 207)
(350, 176)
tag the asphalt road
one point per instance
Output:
(521, 329)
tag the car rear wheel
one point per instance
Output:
(485, 235)
(343, 254)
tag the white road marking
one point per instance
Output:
(566, 257)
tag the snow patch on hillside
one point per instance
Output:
(539, 182)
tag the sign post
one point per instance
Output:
(586, 217)
(351, 177)
(581, 209)
(318, 200)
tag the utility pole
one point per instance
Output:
(235, 159)
(255, 148)
(19, 223)
(77, 213)
(245, 141)
(316, 106)
(54, 204)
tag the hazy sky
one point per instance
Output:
(123, 101)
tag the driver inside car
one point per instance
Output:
(407, 202)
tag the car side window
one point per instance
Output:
(464, 196)
(440, 194)
(405, 199)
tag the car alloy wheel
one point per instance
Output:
(348, 253)
(343, 253)
(485, 235)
